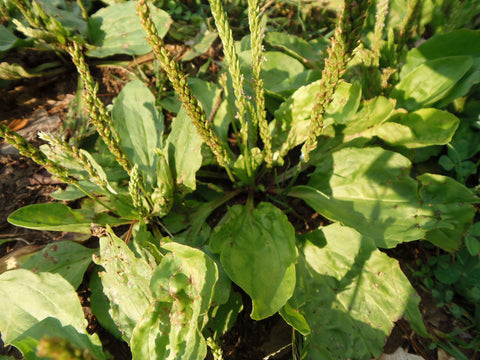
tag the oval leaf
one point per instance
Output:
(184, 151)
(454, 43)
(292, 118)
(369, 190)
(430, 81)
(37, 305)
(116, 30)
(125, 282)
(183, 285)
(66, 258)
(446, 210)
(52, 216)
(165, 332)
(421, 128)
(7, 39)
(139, 126)
(194, 265)
(100, 305)
(352, 294)
(257, 251)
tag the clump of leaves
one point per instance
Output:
(454, 282)
(273, 129)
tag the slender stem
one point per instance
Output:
(81, 5)
(94, 198)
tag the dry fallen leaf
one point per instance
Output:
(39, 121)
(442, 355)
(400, 354)
(17, 124)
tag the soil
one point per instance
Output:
(22, 182)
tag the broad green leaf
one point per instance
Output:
(192, 216)
(75, 168)
(307, 51)
(206, 92)
(116, 30)
(59, 217)
(290, 127)
(465, 142)
(278, 70)
(183, 146)
(52, 216)
(455, 43)
(290, 85)
(420, 128)
(125, 282)
(223, 288)
(292, 118)
(447, 274)
(209, 94)
(66, 258)
(98, 169)
(15, 72)
(202, 43)
(345, 102)
(192, 264)
(36, 305)
(144, 245)
(139, 126)
(369, 190)
(446, 162)
(183, 288)
(7, 39)
(222, 317)
(446, 210)
(108, 161)
(240, 168)
(372, 114)
(158, 337)
(100, 305)
(357, 130)
(430, 82)
(257, 251)
(472, 239)
(351, 294)
(292, 316)
(68, 13)
(34, 342)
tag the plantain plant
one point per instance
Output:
(185, 210)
